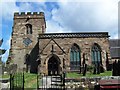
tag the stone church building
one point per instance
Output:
(53, 53)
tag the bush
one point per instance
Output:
(90, 68)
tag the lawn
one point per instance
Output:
(30, 80)
(5, 76)
(77, 75)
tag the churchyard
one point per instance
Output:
(72, 80)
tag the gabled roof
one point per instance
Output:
(74, 35)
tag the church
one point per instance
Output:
(53, 53)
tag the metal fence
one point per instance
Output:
(58, 82)
(51, 82)
(43, 82)
(17, 81)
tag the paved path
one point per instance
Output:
(46, 82)
(5, 86)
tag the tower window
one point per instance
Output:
(28, 28)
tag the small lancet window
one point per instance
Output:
(28, 28)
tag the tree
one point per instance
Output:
(84, 65)
(85, 70)
(94, 70)
(1, 41)
(115, 69)
(118, 64)
(98, 68)
(101, 68)
(2, 51)
(107, 62)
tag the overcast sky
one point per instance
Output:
(67, 16)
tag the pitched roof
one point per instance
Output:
(74, 35)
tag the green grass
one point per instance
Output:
(77, 75)
(30, 80)
(5, 76)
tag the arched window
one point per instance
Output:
(75, 59)
(96, 54)
(28, 28)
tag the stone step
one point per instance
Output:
(56, 81)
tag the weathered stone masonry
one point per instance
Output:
(18, 48)
(41, 47)
(84, 42)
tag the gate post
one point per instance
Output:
(10, 81)
(23, 81)
(63, 80)
(37, 82)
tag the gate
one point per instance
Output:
(17, 81)
(51, 82)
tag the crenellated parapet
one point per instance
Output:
(29, 15)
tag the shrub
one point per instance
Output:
(90, 68)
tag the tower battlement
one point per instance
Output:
(29, 14)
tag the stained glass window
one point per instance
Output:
(96, 54)
(75, 58)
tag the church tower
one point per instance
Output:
(26, 28)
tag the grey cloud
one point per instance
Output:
(81, 17)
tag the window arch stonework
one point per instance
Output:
(96, 55)
(28, 29)
(75, 57)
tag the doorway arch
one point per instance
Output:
(53, 65)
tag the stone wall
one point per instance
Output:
(85, 44)
(62, 45)
(18, 48)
